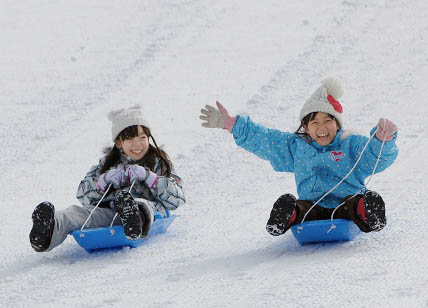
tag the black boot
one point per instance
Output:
(43, 225)
(371, 211)
(283, 215)
(127, 209)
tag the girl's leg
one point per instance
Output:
(282, 215)
(137, 214)
(129, 212)
(316, 213)
(367, 211)
(71, 219)
(287, 211)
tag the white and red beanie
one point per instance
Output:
(325, 99)
(123, 118)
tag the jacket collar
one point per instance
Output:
(126, 160)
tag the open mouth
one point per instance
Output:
(323, 135)
(137, 152)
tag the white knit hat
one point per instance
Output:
(325, 100)
(123, 118)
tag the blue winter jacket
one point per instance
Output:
(316, 168)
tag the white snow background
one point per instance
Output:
(65, 64)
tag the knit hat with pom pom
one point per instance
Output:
(324, 99)
(123, 118)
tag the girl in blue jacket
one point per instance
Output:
(321, 155)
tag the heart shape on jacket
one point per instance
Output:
(336, 155)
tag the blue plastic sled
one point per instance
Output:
(114, 237)
(320, 231)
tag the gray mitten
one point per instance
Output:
(217, 118)
(213, 118)
(113, 176)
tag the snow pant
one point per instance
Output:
(346, 211)
(75, 216)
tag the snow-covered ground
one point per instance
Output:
(65, 64)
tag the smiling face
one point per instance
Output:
(135, 147)
(322, 128)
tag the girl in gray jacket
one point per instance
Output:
(135, 177)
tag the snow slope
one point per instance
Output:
(66, 64)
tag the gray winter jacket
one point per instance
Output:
(166, 193)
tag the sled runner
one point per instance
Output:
(320, 231)
(114, 236)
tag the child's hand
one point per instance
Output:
(113, 176)
(217, 118)
(141, 174)
(386, 129)
(135, 173)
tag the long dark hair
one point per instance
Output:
(154, 152)
(305, 121)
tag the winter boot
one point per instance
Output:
(43, 225)
(371, 210)
(283, 215)
(127, 209)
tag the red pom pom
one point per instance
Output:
(336, 105)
